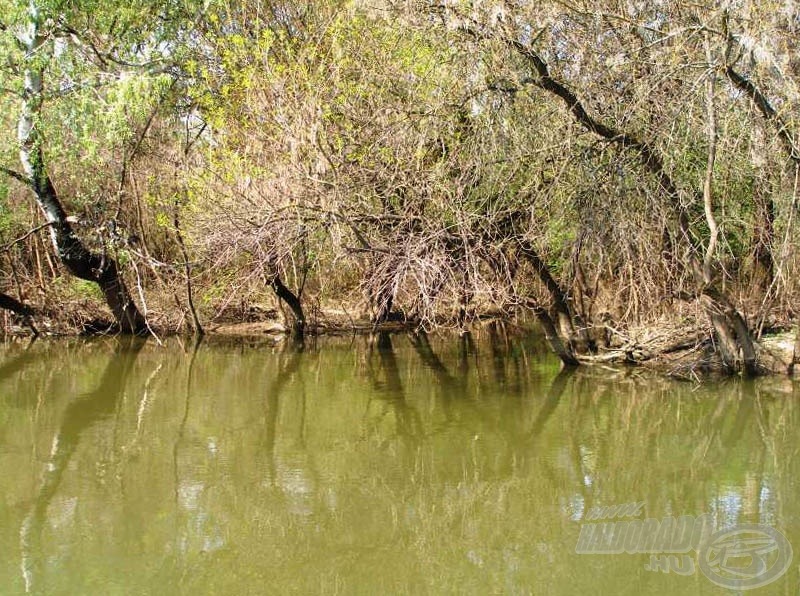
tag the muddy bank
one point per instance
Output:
(692, 353)
(687, 351)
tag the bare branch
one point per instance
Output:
(25, 236)
(769, 113)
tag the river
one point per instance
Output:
(397, 464)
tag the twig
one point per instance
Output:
(25, 236)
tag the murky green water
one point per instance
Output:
(354, 467)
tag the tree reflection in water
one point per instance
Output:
(450, 464)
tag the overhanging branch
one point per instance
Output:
(764, 106)
(649, 157)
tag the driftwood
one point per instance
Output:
(651, 345)
(689, 352)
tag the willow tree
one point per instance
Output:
(250, 80)
(320, 171)
(649, 106)
(73, 75)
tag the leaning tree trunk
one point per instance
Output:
(563, 349)
(76, 257)
(571, 327)
(10, 303)
(23, 310)
(728, 323)
(293, 301)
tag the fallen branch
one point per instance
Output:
(636, 351)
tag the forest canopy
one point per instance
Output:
(604, 167)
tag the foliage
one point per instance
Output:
(415, 148)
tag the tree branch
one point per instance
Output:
(25, 236)
(754, 93)
(649, 157)
(764, 106)
(17, 176)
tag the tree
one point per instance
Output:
(648, 102)
(60, 54)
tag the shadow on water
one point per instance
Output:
(551, 401)
(187, 399)
(422, 346)
(11, 368)
(492, 391)
(458, 395)
(503, 356)
(313, 457)
(81, 414)
(629, 440)
(466, 349)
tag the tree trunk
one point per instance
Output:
(78, 260)
(736, 334)
(764, 232)
(289, 297)
(573, 330)
(14, 305)
(736, 347)
(562, 349)
(384, 302)
(764, 224)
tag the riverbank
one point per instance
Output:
(685, 351)
(689, 350)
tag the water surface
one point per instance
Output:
(390, 465)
